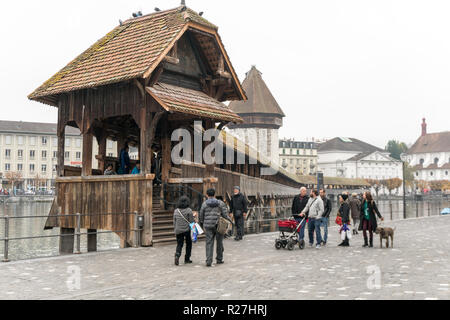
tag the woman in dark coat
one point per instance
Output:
(344, 213)
(368, 219)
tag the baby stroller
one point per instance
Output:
(289, 240)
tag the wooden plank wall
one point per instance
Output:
(114, 198)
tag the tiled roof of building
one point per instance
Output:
(432, 142)
(348, 144)
(260, 99)
(132, 50)
(33, 128)
(178, 99)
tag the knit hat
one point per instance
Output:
(344, 196)
(237, 188)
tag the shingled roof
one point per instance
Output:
(178, 99)
(133, 50)
(432, 142)
(348, 144)
(260, 99)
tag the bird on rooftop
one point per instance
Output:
(201, 13)
(157, 9)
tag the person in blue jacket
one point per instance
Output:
(124, 161)
(137, 169)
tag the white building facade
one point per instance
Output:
(352, 158)
(430, 156)
(298, 157)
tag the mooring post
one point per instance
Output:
(5, 252)
(136, 230)
(78, 234)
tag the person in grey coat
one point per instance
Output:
(209, 215)
(182, 218)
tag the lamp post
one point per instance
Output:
(403, 157)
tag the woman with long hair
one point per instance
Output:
(344, 213)
(368, 219)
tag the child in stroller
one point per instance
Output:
(291, 238)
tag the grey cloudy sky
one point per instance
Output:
(362, 69)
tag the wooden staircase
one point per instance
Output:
(163, 229)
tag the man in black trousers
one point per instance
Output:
(238, 208)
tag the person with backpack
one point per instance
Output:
(182, 219)
(368, 218)
(210, 213)
(238, 208)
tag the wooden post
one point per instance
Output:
(66, 241)
(87, 154)
(61, 146)
(147, 232)
(92, 240)
(102, 152)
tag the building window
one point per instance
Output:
(110, 155)
(44, 168)
(109, 144)
(54, 168)
(8, 140)
(20, 140)
(67, 155)
(7, 153)
(422, 161)
(32, 141)
(431, 173)
(31, 167)
(55, 154)
(67, 142)
(55, 142)
(7, 167)
(20, 154)
(44, 155)
(44, 141)
(19, 167)
(32, 154)
(436, 160)
(446, 173)
(78, 155)
(78, 143)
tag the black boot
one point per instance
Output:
(177, 260)
(366, 243)
(371, 243)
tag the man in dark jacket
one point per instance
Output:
(238, 207)
(299, 203)
(209, 215)
(326, 215)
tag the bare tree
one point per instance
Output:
(13, 177)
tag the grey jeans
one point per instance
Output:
(212, 234)
(355, 224)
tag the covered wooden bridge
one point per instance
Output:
(146, 78)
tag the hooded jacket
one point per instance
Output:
(210, 212)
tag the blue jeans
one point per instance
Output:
(301, 232)
(314, 226)
(325, 229)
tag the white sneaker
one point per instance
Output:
(318, 246)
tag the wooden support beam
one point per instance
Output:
(92, 240)
(102, 152)
(87, 154)
(150, 82)
(66, 241)
(61, 146)
(171, 60)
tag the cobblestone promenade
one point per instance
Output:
(417, 268)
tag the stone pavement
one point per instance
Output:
(417, 268)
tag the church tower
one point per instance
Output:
(262, 116)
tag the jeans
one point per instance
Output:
(212, 234)
(314, 226)
(180, 242)
(239, 221)
(324, 224)
(301, 231)
(355, 224)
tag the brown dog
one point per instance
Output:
(386, 233)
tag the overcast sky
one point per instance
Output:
(364, 69)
